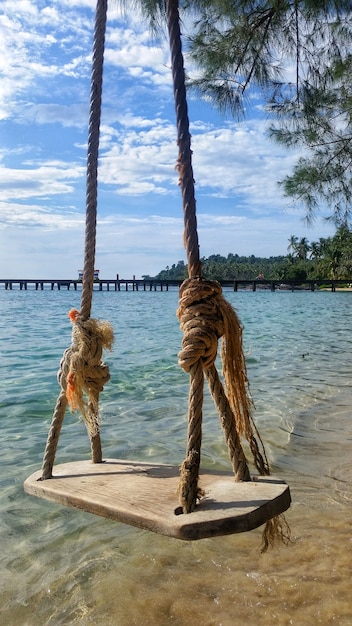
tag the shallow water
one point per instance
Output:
(61, 566)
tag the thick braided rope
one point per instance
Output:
(90, 411)
(201, 313)
(82, 374)
(188, 489)
(184, 163)
(91, 414)
(92, 157)
(205, 317)
(188, 486)
(53, 436)
(228, 423)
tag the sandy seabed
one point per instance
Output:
(133, 577)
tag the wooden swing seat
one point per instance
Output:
(144, 495)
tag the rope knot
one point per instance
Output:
(201, 320)
(82, 370)
(205, 316)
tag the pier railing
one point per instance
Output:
(151, 284)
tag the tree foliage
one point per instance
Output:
(321, 124)
(298, 52)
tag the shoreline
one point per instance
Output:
(337, 289)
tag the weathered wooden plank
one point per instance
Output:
(144, 495)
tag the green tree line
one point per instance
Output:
(328, 258)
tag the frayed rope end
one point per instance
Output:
(276, 529)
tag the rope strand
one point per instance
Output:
(92, 157)
(184, 163)
(74, 376)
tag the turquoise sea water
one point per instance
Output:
(62, 566)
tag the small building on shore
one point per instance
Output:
(96, 274)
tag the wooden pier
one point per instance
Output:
(151, 284)
(127, 284)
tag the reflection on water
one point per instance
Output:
(60, 566)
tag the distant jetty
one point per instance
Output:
(153, 284)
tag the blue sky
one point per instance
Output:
(45, 57)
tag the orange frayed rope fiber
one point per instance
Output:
(82, 373)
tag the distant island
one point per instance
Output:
(327, 258)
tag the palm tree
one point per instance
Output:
(315, 251)
(293, 243)
(303, 248)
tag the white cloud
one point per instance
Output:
(52, 178)
(67, 115)
(28, 48)
(34, 215)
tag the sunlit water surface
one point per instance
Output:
(61, 566)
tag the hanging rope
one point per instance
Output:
(92, 156)
(82, 373)
(205, 316)
(198, 334)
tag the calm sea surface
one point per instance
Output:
(62, 566)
